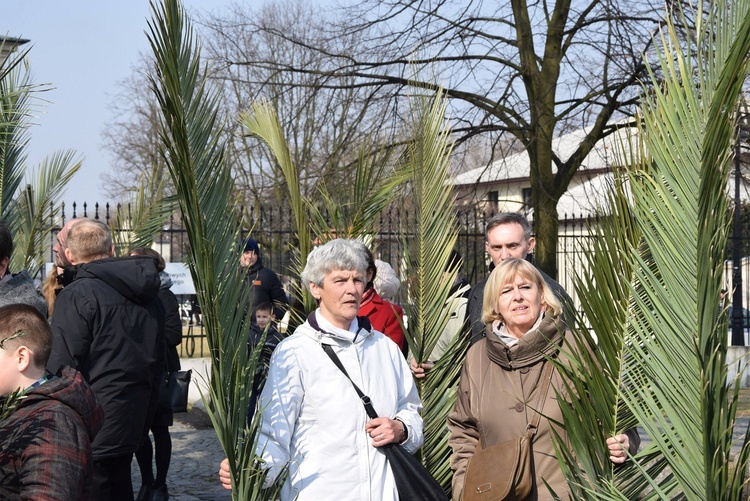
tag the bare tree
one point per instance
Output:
(532, 70)
(132, 138)
(326, 125)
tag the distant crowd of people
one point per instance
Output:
(90, 376)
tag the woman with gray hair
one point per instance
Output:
(312, 419)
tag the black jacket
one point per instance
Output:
(264, 286)
(108, 325)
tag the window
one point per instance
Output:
(526, 198)
(492, 199)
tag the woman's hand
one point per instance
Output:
(420, 370)
(385, 431)
(618, 448)
(225, 475)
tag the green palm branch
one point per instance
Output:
(195, 159)
(263, 122)
(36, 209)
(15, 115)
(23, 206)
(667, 370)
(374, 188)
(427, 246)
(140, 219)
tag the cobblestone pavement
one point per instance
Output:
(193, 471)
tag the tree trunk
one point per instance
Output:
(545, 230)
(544, 197)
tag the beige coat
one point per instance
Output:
(498, 389)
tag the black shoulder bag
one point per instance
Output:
(413, 481)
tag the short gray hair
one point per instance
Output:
(509, 218)
(338, 254)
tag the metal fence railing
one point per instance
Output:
(272, 228)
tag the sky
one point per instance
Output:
(83, 49)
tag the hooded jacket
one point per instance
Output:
(45, 444)
(108, 326)
(313, 421)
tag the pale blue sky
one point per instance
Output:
(83, 48)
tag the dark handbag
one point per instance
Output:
(413, 481)
(505, 471)
(173, 393)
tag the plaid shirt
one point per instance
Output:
(45, 444)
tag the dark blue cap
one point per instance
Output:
(251, 245)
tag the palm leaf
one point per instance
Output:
(15, 114)
(141, 217)
(32, 225)
(428, 245)
(195, 159)
(668, 371)
(263, 122)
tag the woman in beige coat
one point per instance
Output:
(501, 379)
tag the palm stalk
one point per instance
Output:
(427, 247)
(15, 115)
(263, 122)
(147, 210)
(667, 370)
(195, 158)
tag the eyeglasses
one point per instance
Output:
(15, 335)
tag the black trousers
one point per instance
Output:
(111, 480)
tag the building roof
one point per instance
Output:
(613, 150)
(10, 44)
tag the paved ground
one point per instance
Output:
(196, 455)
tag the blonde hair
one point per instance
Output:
(506, 273)
(89, 239)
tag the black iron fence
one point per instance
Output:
(272, 228)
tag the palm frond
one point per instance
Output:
(15, 114)
(32, 225)
(141, 218)
(195, 159)
(263, 122)
(668, 368)
(427, 249)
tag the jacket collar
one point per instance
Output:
(362, 329)
(536, 345)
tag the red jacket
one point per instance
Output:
(384, 317)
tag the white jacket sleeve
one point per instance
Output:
(280, 402)
(409, 406)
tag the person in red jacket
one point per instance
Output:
(384, 316)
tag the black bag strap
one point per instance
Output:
(546, 380)
(365, 399)
(365, 324)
